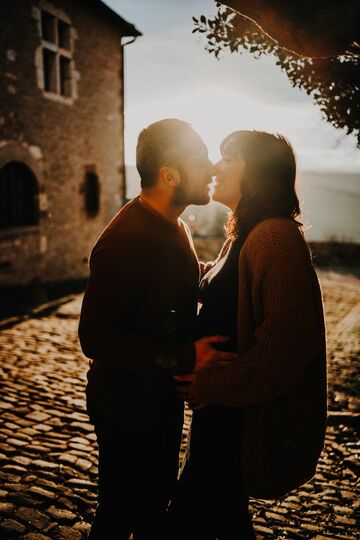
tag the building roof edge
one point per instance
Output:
(129, 29)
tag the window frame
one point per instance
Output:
(61, 87)
(92, 193)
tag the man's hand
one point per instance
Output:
(207, 355)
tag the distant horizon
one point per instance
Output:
(329, 201)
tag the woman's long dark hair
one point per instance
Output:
(268, 184)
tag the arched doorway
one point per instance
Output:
(19, 191)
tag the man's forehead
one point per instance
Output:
(197, 146)
(189, 146)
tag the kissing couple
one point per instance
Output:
(240, 339)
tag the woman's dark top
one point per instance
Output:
(219, 298)
(216, 430)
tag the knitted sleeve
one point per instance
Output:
(286, 339)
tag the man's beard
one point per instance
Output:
(184, 195)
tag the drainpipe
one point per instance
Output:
(122, 112)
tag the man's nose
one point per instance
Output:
(212, 168)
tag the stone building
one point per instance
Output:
(61, 136)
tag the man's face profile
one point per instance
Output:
(196, 172)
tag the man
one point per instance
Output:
(136, 327)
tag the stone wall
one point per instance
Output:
(60, 138)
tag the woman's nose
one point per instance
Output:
(211, 168)
(217, 167)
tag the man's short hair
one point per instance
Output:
(162, 143)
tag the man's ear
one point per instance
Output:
(169, 176)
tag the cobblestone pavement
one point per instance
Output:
(48, 452)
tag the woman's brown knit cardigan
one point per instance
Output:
(280, 378)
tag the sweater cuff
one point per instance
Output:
(206, 384)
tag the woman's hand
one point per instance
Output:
(207, 355)
(186, 391)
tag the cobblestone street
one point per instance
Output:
(48, 451)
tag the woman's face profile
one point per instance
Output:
(229, 174)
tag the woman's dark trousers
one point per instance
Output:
(210, 502)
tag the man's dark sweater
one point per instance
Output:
(137, 314)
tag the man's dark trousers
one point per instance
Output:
(137, 476)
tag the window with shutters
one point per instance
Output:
(92, 194)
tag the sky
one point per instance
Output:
(168, 73)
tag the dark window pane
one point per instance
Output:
(49, 67)
(92, 194)
(18, 196)
(48, 27)
(65, 77)
(64, 34)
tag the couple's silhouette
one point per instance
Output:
(251, 362)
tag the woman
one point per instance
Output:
(260, 427)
